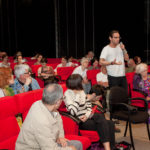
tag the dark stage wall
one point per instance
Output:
(72, 27)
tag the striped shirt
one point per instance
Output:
(77, 103)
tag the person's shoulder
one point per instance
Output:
(68, 91)
(77, 69)
(106, 47)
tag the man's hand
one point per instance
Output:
(83, 118)
(91, 96)
(116, 63)
(28, 81)
(62, 141)
(122, 46)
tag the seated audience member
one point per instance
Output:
(79, 105)
(99, 91)
(90, 55)
(39, 58)
(46, 72)
(24, 82)
(82, 69)
(141, 79)
(73, 60)
(43, 128)
(35, 57)
(65, 63)
(94, 64)
(102, 78)
(130, 66)
(6, 79)
(1, 54)
(20, 58)
(137, 60)
(5, 62)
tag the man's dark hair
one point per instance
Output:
(74, 82)
(112, 32)
(43, 60)
(97, 89)
(93, 60)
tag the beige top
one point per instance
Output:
(40, 130)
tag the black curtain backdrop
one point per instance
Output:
(72, 27)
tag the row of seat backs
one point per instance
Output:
(10, 106)
(21, 103)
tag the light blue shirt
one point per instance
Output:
(17, 87)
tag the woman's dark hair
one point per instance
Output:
(65, 57)
(74, 82)
(97, 89)
(3, 56)
(43, 60)
(136, 59)
(93, 60)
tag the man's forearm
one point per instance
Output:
(104, 62)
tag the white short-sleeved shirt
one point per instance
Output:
(3, 65)
(101, 77)
(109, 54)
(79, 70)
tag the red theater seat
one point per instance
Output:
(25, 100)
(71, 132)
(91, 75)
(8, 107)
(64, 72)
(9, 131)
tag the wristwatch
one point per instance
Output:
(112, 63)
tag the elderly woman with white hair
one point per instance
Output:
(24, 82)
(81, 70)
(141, 79)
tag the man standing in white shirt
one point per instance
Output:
(113, 56)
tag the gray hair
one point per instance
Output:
(140, 68)
(83, 60)
(52, 93)
(20, 69)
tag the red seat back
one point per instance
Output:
(65, 72)
(91, 75)
(25, 100)
(8, 107)
(9, 131)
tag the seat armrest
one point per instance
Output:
(145, 94)
(142, 99)
(77, 120)
(131, 109)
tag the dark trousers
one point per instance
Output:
(118, 81)
(105, 128)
